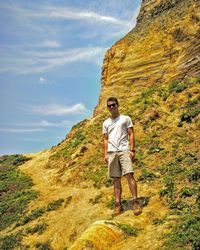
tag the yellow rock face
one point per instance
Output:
(98, 236)
(163, 46)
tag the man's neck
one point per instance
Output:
(115, 115)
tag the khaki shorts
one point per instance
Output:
(119, 163)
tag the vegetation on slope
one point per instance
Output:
(166, 120)
(16, 190)
(16, 194)
(171, 144)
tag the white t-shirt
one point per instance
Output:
(117, 131)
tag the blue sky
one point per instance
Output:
(51, 53)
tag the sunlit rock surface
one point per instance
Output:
(163, 46)
(100, 235)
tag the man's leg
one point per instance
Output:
(133, 188)
(132, 185)
(127, 170)
(114, 170)
(117, 192)
(117, 189)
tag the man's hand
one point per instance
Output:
(106, 158)
(106, 148)
(132, 142)
(132, 156)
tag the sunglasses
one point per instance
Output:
(111, 105)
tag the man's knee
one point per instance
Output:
(117, 180)
(130, 177)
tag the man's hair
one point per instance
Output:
(114, 99)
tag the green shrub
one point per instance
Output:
(165, 95)
(96, 199)
(192, 103)
(33, 215)
(128, 229)
(178, 206)
(54, 205)
(169, 188)
(40, 228)
(194, 112)
(149, 91)
(13, 160)
(193, 174)
(171, 169)
(189, 114)
(10, 242)
(186, 117)
(77, 139)
(15, 188)
(177, 86)
(96, 170)
(98, 176)
(68, 200)
(43, 246)
(155, 147)
(153, 134)
(13, 207)
(70, 144)
(79, 125)
(191, 159)
(186, 234)
(146, 176)
(111, 203)
(158, 221)
(186, 192)
(108, 182)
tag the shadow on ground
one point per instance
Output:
(128, 204)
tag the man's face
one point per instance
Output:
(112, 106)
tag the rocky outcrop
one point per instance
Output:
(163, 46)
(151, 8)
(100, 235)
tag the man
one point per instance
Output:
(119, 153)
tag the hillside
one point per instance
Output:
(154, 71)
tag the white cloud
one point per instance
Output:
(44, 52)
(53, 58)
(44, 123)
(57, 109)
(41, 139)
(39, 126)
(42, 80)
(37, 62)
(54, 12)
(20, 130)
(66, 13)
(60, 13)
(50, 44)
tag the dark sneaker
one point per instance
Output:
(136, 207)
(117, 209)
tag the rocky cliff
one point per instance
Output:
(163, 46)
(154, 71)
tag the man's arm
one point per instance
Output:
(131, 142)
(106, 147)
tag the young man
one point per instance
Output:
(119, 153)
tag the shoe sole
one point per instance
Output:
(137, 213)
